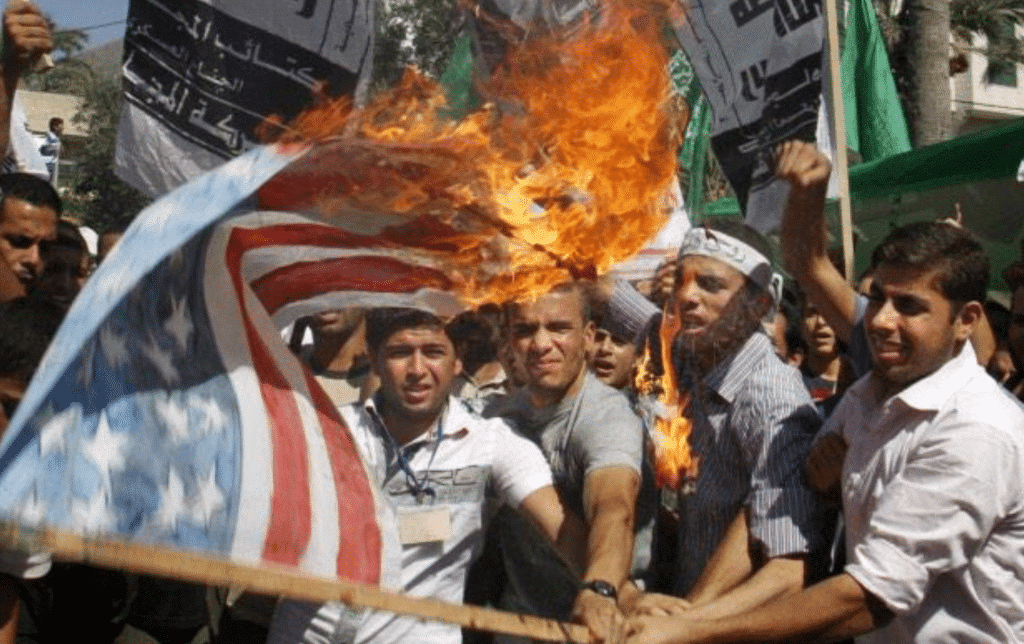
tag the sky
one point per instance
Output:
(87, 13)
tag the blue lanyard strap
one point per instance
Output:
(419, 487)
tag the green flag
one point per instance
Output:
(457, 78)
(875, 124)
(693, 155)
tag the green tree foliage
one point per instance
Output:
(993, 19)
(69, 75)
(968, 19)
(418, 33)
(108, 202)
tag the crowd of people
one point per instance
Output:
(858, 471)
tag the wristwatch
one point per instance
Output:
(602, 588)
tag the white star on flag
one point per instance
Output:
(113, 346)
(54, 428)
(179, 324)
(172, 502)
(161, 360)
(213, 416)
(173, 416)
(92, 515)
(208, 498)
(106, 449)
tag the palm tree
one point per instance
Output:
(993, 19)
(918, 35)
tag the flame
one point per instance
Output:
(675, 467)
(563, 172)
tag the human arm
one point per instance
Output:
(609, 503)
(728, 567)
(834, 609)
(564, 529)
(804, 236)
(26, 37)
(825, 463)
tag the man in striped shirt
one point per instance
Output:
(750, 524)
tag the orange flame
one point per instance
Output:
(564, 171)
(675, 467)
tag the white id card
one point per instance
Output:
(425, 525)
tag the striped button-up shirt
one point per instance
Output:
(753, 426)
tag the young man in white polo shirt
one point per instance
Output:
(933, 477)
(442, 467)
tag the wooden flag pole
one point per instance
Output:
(841, 165)
(278, 581)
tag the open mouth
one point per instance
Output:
(603, 368)
(889, 352)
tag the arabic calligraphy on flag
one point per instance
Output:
(759, 62)
(199, 77)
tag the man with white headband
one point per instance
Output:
(750, 526)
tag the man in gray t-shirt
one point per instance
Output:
(594, 443)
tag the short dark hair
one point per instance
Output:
(961, 263)
(56, 121)
(384, 322)
(69, 236)
(31, 189)
(476, 335)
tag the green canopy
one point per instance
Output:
(978, 171)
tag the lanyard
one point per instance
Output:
(419, 487)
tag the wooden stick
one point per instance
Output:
(841, 164)
(269, 579)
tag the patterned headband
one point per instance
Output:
(729, 250)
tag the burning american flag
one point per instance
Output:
(168, 408)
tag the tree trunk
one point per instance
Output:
(928, 58)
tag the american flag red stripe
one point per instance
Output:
(360, 273)
(289, 527)
(278, 282)
(360, 531)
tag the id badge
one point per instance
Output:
(425, 525)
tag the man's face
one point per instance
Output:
(416, 367)
(912, 327)
(549, 338)
(65, 270)
(703, 289)
(612, 359)
(24, 230)
(818, 335)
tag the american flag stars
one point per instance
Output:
(179, 325)
(54, 428)
(107, 449)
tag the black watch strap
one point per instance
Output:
(602, 588)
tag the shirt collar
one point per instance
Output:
(932, 391)
(456, 420)
(727, 377)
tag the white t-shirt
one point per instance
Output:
(476, 465)
(933, 497)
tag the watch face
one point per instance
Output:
(602, 588)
